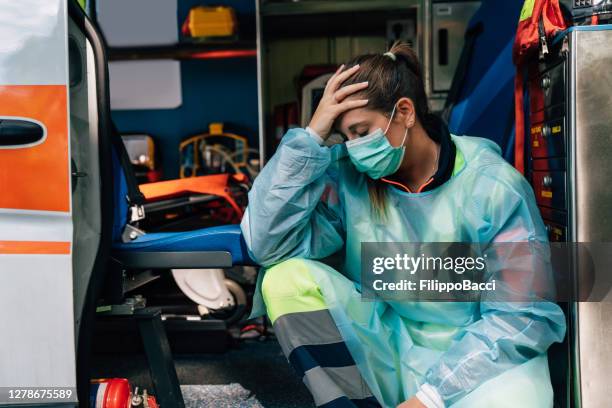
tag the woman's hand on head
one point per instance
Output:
(334, 101)
(413, 402)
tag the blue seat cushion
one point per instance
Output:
(223, 238)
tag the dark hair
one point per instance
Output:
(391, 76)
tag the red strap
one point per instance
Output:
(525, 48)
(519, 129)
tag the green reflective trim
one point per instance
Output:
(82, 3)
(288, 287)
(459, 161)
(527, 10)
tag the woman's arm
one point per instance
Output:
(293, 208)
(286, 217)
(509, 333)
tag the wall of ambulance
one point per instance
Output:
(212, 90)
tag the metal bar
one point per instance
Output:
(178, 202)
(260, 82)
(173, 260)
(326, 6)
(159, 356)
(220, 49)
(574, 319)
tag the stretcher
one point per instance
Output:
(211, 249)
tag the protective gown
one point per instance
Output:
(309, 202)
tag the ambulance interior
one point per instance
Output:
(176, 123)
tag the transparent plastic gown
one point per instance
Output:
(309, 202)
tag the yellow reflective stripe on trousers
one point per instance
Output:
(288, 287)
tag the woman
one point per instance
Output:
(400, 177)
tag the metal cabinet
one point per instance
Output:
(449, 22)
(569, 145)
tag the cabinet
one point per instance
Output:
(568, 151)
(292, 35)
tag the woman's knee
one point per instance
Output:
(286, 279)
(289, 287)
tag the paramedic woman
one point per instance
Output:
(399, 177)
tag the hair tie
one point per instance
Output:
(390, 55)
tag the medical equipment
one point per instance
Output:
(285, 117)
(402, 30)
(312, 92)
(117, 393)
(218, 152)
(449, 22)
(206, 287)
(141, 151)
(219, 21)
(586, 12)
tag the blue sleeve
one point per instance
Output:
(294, 210)
(508, 333)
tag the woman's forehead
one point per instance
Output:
(357, 116)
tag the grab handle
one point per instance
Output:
(20, 132)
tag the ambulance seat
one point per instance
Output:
(213, 247)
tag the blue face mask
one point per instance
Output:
(374, 155)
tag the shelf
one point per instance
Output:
(285, 8)
(371, 23)
(185, 51)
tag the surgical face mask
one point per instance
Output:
(374, 155)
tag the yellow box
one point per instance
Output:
(215, 128)
(217, 21)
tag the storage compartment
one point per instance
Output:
(548, 139)
(549, 188)
(554, 216)
(449, 22)
(547, 89)
(553, 85)
(556, 232)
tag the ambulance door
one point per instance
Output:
(37, 323)
(91, 189)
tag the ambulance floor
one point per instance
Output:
(254, 374)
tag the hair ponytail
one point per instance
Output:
(406, 54)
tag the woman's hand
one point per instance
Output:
(412, 403)
(332, 103)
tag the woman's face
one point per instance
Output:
(360, 122)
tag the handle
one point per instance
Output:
(443, 47)
(21, 132)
